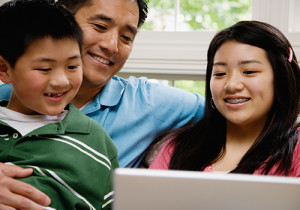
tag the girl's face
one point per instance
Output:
(242, 83)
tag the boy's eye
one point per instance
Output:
(44, 69)
(73, 67)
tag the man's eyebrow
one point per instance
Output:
(103, 17)
(132, 29)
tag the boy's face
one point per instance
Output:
(46, 77)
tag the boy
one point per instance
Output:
(40, 55)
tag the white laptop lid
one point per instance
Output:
(145, 189)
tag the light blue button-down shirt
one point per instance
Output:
(135, 111)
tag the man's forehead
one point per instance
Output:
(111, 10)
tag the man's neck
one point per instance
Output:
(85, 95)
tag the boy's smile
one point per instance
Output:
(46, 77)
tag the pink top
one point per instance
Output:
(162, 160)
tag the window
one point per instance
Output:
(181, 55)
(195, 15)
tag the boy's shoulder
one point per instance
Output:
(92, 131)
(76, 118)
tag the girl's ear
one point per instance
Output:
(4, 66)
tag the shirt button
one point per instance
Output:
(15, 135)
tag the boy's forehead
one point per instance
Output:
(52, 49)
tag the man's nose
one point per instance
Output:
(110, 42)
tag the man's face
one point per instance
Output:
(109, 30)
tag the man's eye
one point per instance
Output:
(127, 38)
(100, 27)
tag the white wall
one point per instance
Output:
(3, 1)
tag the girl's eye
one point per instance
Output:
(250, 72)
(219, 74)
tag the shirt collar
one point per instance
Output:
(111, 93)
(70, 124)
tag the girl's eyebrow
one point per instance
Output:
(219, 64)
(249, 61)
(240, 63)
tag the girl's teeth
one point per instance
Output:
(236, 101)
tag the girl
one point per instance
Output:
(252, 103)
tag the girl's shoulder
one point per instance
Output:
(164, 155)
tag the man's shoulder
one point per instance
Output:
(143, 88)
(132, 80)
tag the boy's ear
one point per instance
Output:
(4, 66)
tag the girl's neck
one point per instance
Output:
(243, 134)
(239, 139)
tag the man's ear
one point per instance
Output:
(4, 66)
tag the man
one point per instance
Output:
(133, 112)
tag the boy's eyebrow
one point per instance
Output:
(74, 57)
(103, 17)
(53, 60)
(240, 63)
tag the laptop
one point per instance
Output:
(145, 189)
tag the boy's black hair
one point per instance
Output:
(24, 21)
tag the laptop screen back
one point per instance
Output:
(144, 189)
